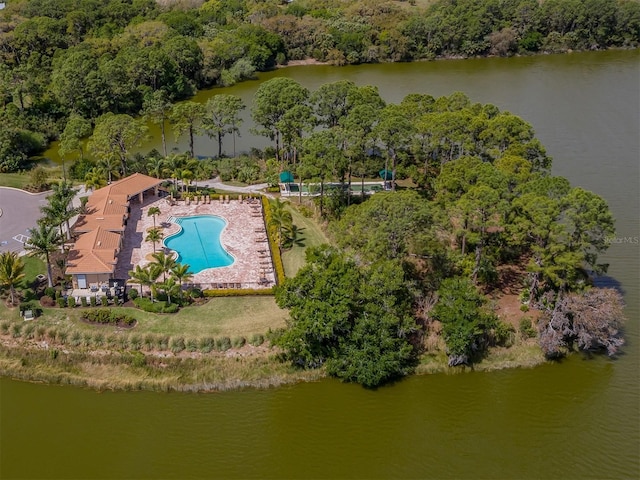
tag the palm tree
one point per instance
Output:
(11, 272)
(164, 262)
(186, 177)
(145, 276)
(153, 211)
(94, 179)
(54, 215)
(42, 242)
(280, 221)
(155, 166)
(109, 165)
(154, 235)
(180, 272)
(170, 287)
(173, 165)
(64, 193)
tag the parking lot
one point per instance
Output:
(20, 211)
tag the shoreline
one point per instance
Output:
(247, 367)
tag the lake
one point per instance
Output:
(576, 419)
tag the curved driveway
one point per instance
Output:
(20, 211)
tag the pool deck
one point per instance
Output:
(244, 238)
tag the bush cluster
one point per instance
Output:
(47, 301)
(109, 317)
(31, 305)
(158, 307)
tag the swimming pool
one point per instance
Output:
(198, 242)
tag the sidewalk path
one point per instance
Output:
(218, 185)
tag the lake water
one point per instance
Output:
(576, 419)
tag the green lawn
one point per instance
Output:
(20, 180)
(225, 316)
(33, 266)
(312, 235)
(15, 180)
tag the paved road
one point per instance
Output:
(20, 210)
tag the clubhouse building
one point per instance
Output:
(94, 255)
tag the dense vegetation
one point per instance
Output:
(64, 58)
(479, 213)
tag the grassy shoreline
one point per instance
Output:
(39, 360)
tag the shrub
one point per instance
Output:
(62, 302)
(72, 302)
(195, 293)
(111, 341)
(109, 317)
(177, 344)
(238, 342)
(62, 336)
(192, 345)
(163, 342)
(526, 328)
(503, 334)
(92, 301)
(83, 301)
(158, 307)
(256, 339)
(207, 344)
(137, 359)
(52, 334)
(28, 330)
(132, 294)
(149, 341)
(4, 327)
(40, 331)
(135, 342)
(47, 301)
(223, 344)
(98, 339)
(16, 330)
(524, 308)
(50, 292)
(87, 339)
(76, 339)
(122, 342)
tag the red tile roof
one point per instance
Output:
(102, 227)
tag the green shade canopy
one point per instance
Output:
(386, 174)
(286, 177)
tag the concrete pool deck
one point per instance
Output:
(244, 238)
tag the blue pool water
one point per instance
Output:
(198, 243)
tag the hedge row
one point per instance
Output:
(241, 292)
(109, 317)
(273, 246)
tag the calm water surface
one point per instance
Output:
(576, 419)
(198, 243)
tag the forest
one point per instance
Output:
(86, 58)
